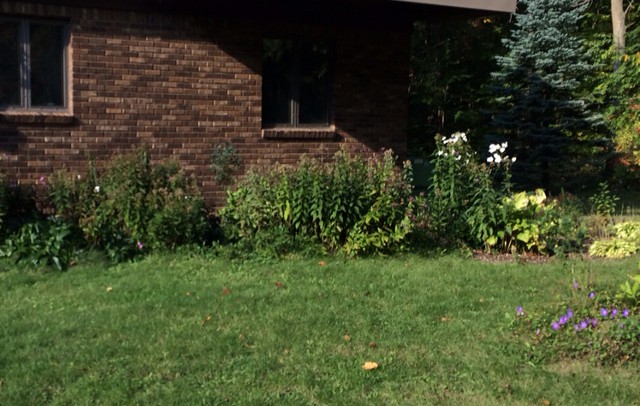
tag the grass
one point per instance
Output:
(179, 329)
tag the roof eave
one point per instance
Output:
(506, 6)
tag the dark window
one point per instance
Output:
(32, 64)
(296, 80)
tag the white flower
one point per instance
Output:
(439, 153)
(504, 145)
(490, 159)
(513, 159)
(497, 158)
(96, 189)
(493, 148)
(502, 150)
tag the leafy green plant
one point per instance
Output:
(354, 204)
(521, 230)
(629, 291)
(463, 194)
(613, 248)
(132, 206)
(604, 201)
(42, 243)
(224, 162)
(624, 241)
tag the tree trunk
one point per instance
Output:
(618, 21)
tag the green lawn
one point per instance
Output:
(188, 330)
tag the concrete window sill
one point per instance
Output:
(314, 134)
(36, 118)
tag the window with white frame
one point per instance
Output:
(33, 64)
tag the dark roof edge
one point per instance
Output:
(507, 6)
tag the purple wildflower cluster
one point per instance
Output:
(588, 322)
(613, 313)
(562, 320)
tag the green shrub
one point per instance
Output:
(624, 242)
(42, 243)
(603, 201)
(224, 162)
(354, 204)
(465, 194)
(629, 291)
(472, 203)
(132, 205)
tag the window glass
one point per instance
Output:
(47, 65)
(314, 83)
(9, 63)
(295, 82)
(277, 90)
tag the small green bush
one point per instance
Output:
(471, 203)
(132, 205)
(624, 242)
(352, 204)
(464, 194)
(604, 201)
(42, 243)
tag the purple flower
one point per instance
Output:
(604, 312)
(614, 313)
(575, 285)
(519, 311)
(594, 322)
(625, 313)
(555, 325)
(584, 324)
(563, 320)
(139, 245)
(569, 313)
(576, 327)
(42, 180)
(592, 295)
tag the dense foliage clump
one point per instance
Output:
(353, 204)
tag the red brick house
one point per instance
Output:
(275, 78)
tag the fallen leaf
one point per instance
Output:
(346, 338)
(546, 402)
(109, 288)
(279, 285)
(188, 293)
(226, 291)
(481, 300)
(373, 344)
(206, 319)
(445, 318)
(369, 365)
(322, 263)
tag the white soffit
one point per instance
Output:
(508, 6)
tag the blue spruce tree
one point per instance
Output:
(538, 83)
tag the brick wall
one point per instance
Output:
(182, 84)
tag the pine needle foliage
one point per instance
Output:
(539, 109)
